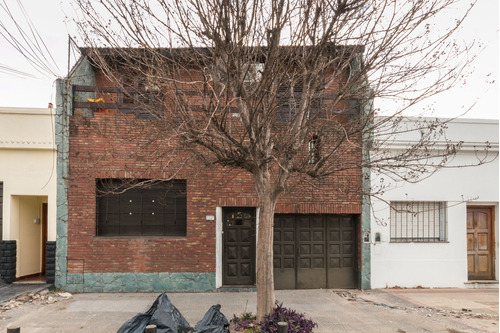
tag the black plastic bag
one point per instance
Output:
(167, 318)
(136, 324)
(163, 314)
(213, 322)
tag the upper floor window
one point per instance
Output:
(289, 96)
(141, 208)
(139, 91)
(418, 221)
(314, 149)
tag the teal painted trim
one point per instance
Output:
(365, 275)
(83, 73)
(62, 142)
(140, 282)
(365, 278)
(364, 99)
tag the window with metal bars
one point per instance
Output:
(141, 208)
(418, 221)
(314, 149)
(289, 95)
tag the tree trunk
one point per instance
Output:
(265, 278)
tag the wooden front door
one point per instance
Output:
(480, 240)
(239, 246)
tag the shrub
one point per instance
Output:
(245, 323)
(297, 323)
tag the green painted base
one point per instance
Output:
(136, 282)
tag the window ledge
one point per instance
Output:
(415, 242)
(105, 238)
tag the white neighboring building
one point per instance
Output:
(28, 180)
(443, 230)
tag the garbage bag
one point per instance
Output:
(213, 322)
(167, 318)
(136, 324)
(163, 314)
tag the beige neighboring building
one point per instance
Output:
(27, 193)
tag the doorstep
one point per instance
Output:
(237, 289)
(481, 284)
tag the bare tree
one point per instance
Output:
(279, 88)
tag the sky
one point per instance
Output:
(27, 87)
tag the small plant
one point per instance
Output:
(245, 323)
(297, 323)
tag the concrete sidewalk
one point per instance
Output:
(467, 300)
(10, 291)
(405, 310)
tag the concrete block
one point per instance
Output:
(145, 281)
(74, 278)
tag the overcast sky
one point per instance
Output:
(29, 88)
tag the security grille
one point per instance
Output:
(418, 221)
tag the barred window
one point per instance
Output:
(314, 149)
(289, 96)
(141, 208)
(418, 221)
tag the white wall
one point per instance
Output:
(437, 264)
(28, 160)
(28, 172)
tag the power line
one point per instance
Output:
(15, 72)
(29, 44)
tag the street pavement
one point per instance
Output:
(383, 310)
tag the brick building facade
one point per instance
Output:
(216, 211)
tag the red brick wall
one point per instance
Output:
(120, 146)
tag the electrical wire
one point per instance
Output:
(15, 72)
(28, 42)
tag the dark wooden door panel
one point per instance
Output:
(314, 251)
(311, 269)
(239, 246)
(284, 249)
(342, 245)
(480, 240)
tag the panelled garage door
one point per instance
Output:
(315, 251)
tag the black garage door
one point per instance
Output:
(314, 251)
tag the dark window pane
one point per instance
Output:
(153, 230)
(153, 219)
(111, 219)
(108, 230)
(147, 210)
(130, 230)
